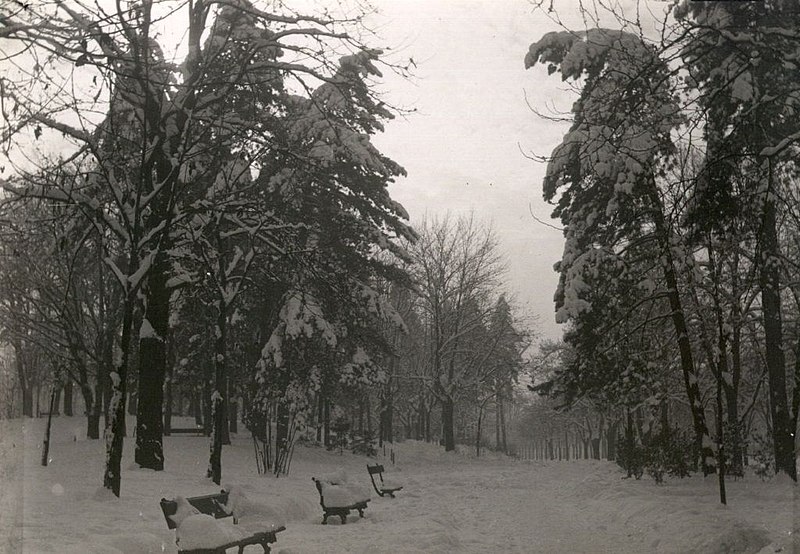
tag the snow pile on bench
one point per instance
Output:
(195, 530)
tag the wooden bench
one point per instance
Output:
(214, 505)
(381, 489)
(187, 431)
(341, 511)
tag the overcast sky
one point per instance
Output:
(464, 147)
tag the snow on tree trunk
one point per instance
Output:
(115, 425)
(215, 459)
(220, 433)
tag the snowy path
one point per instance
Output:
(451, 503)
(509, 510)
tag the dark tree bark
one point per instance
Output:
(115, 427)
(690, 378)
(68, 407)
(233, 417)
(326, 420)
(448, 409)
(208, 375)
(24, 382)
(92, 404)
(196, 406)
(783, 434)
(149, 451)
(168, 393)
(46, 444)
(220, 432)
(612, 441)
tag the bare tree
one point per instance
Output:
(457, 269)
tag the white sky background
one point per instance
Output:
(464, 148)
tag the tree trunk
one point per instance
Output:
(168, 395)
(115, 427)
(448, 424)
(68, 408)
(690, 378)
(282, 438)
(596, 448)
(426, 415)
(152, 365)
(208, 421)
(420, 419)
(46, 443)
(478, 433)
(326, 424)
(783, 434)
(24, 382)
(496, 422)
(54, 409)
(219, 396)
(233, 418)
(92, 412)
(503, 436)
(736, 455)
(612, 441)
(133, 403)
(720, 427)
(196, 406)
(215, 458)
(319, 417)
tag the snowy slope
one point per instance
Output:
(450, 503)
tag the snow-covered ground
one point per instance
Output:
(450, 503)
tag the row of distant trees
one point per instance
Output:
(677, 187)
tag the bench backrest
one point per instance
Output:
(209, 504)
(375, 469)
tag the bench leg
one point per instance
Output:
(343, 518)
(361, 512)
(325, 519)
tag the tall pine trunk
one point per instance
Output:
(690, 378)
(783, 434)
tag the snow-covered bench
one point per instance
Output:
(338, 498)
(383, 488)
(198, 532)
